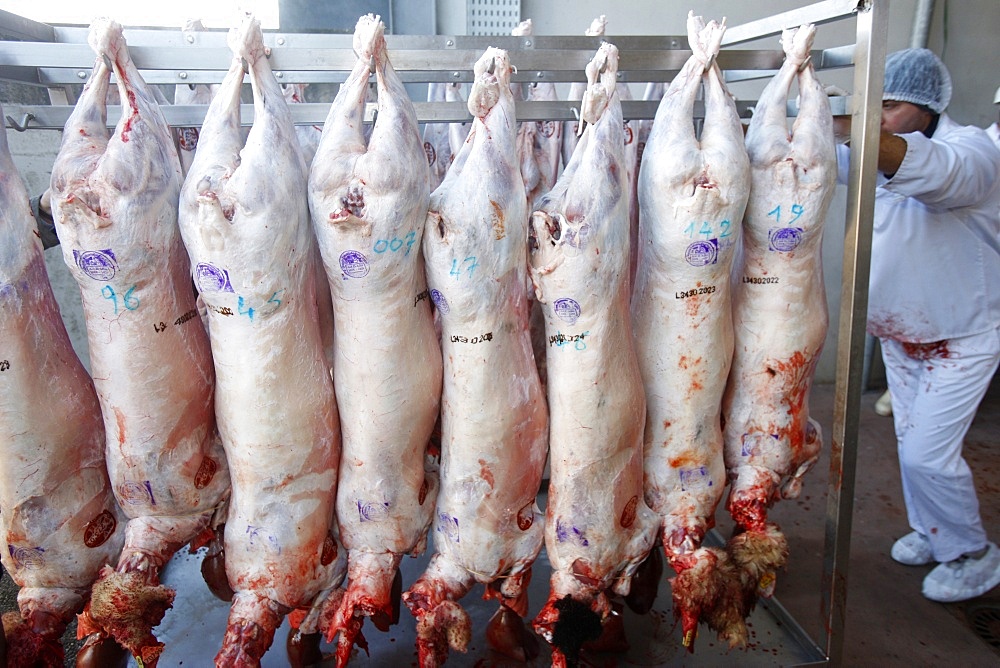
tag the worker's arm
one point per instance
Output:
(42, 211)
(891, 148)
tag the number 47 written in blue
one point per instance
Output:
(468, 264)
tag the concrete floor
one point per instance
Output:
(888, 621)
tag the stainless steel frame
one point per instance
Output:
(55, 57)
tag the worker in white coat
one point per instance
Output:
(934, 304)
(994, 130)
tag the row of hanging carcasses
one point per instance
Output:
(656, 331)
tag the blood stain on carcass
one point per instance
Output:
(497, 221)
(485, 472)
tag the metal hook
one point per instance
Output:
(246, 65)
(107, 61)
(23, 125)
(493, 66)
(805, 63)
(371, 64)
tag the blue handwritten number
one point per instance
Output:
(468, 264)
(274, 298)
(129, 301)
(797, 210)
(689, 230)
(243, 309)
(394, 244)
(725, 229)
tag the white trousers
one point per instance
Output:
(935, 394)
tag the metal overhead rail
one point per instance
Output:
(58, 58)
(55, 57)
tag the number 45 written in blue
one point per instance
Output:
(244, 309)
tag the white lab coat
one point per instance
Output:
(935, 266)
(935, 277)
(994, 133)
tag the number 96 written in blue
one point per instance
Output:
(127, 301)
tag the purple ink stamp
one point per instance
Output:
(373, 511)
(784, 239)
(702, 253)
(136, 493)
(448, 525)
(693, 478)
(755, 444)
(354, 264)
(100, 265)
(570, 534)
(440, 302)
(567, 310)
(26, 557)
(212, 279)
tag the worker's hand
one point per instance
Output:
(45, 203)
(842, 129)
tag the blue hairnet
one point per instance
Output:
(919, 77)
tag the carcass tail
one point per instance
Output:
(756, 557)
(511, 591)
(567, 623)
(441, 622)
(697, 589)
(27, 648)
(748, 572)
(250, 630)
(443, 580)
(751, 493)
(127, 605)
(445, 627)
(374, 591)
(573, 615)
